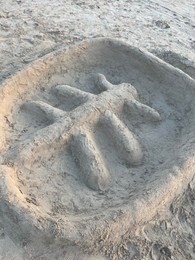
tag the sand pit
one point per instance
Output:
(95, 140)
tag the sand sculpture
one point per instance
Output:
(95, 140)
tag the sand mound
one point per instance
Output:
(95, 140)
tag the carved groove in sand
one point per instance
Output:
(98, 108)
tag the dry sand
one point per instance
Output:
(31, 29)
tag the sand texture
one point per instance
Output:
(97, 142)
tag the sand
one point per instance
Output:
(136, 201)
